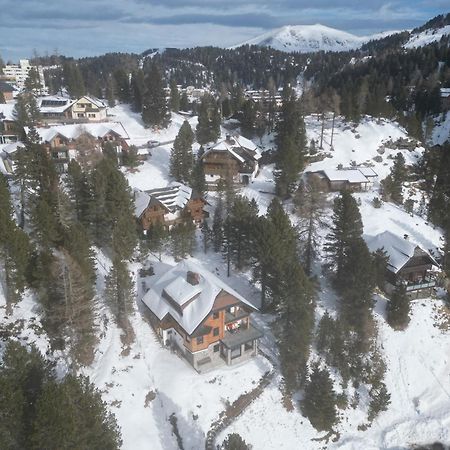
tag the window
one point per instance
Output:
(216, 348)
(215, 315)
(200, 340)
(248, 346)
(216, 331)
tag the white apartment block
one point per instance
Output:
(18, 73)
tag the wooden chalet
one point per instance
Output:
(7, 90)
(59, 140)
(358, 179)
(196, 313)
(234, 157)
(8, 127)
(408, 264)
(168, 206)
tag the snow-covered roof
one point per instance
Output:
(181, 291)
(6, 110)
(368, 172)
(173, 197)
(399, 250)
(73, 131)
(445, 92)
(224, 146)
(10, 148)
(349, 175)
(141, 201)
(207, 289)
(54, 104)
(94, 100)
(238, 146)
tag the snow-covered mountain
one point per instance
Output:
(427, 37)
(311, 38)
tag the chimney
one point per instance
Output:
(192, 278)
(229, 139)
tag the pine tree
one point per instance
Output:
(290, 143)
(14, 249)
(310, 201)
(182, 240)
(80, 193)
(198, 181)
(26, 112)
(347, 228)
(22, 375)
(181, 157)
(234, 442)
(73, 79)
(137, 90)
(319, 402)
(275, 249)
(72, 414)
(174, 96)
(348, 253)
(184, 102)
(380, 260)
(33, 82)
(248, 119)
(155, 111)
(240, 224)
(208, 127)
(217, 226)
(122, 85)
(156, 238)
(296, 322)
(394, 182)
(119, 294)
(69, 314)
(398, 309)
(113, 221)
(39, 410)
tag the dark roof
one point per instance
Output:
(5, 87)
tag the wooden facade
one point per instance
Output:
(195, 314)
(158, 214)
(221, 164)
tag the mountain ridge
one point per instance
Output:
(311, 38)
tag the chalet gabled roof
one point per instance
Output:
(399, 250)
(5, 87)
(201, 297)
(94, 100)
(173, 197)
(74, 131)
(238, 146)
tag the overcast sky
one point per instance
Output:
(92, 27)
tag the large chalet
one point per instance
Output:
(234, 157)
(61, 109)
(60, 139)
(195, 312)
(408, 264)
(170, 205)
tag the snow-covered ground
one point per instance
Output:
(427, 37)
(418, 359)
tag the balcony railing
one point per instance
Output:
(417, 285)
